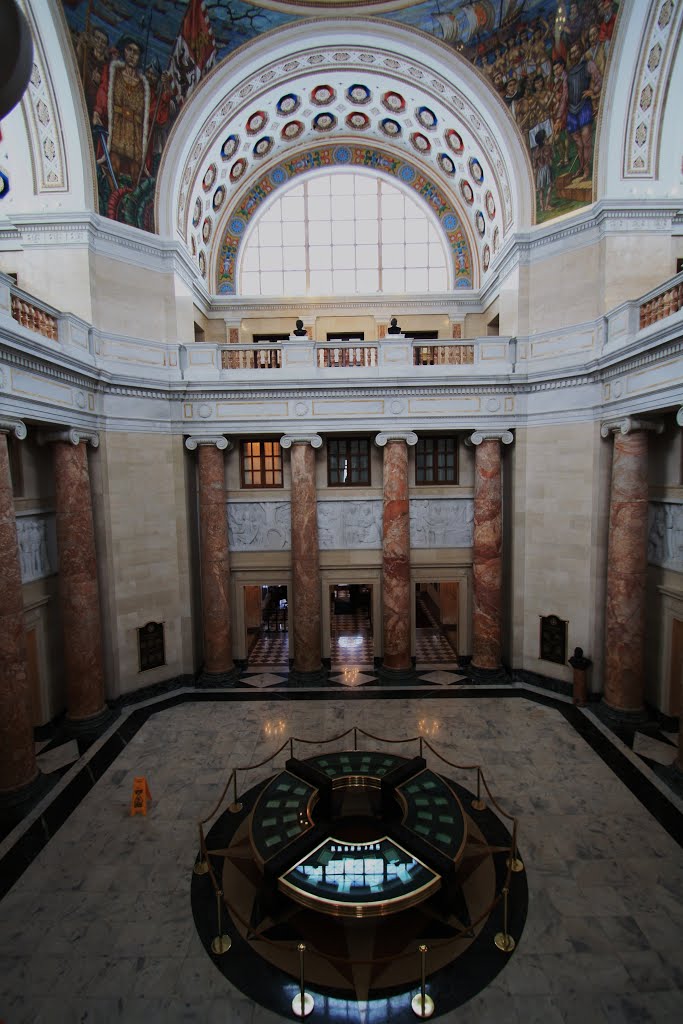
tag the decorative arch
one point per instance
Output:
(348, 156)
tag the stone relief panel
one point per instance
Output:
(665, 537)
(350, 524)
(441, 522)
(259, 525)
(37, 537)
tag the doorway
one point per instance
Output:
(436, 622)
(266, 621)
(351, 627)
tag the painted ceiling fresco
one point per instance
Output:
(140, 60)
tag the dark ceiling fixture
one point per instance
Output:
(16, 55)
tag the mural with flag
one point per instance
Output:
(194, 53)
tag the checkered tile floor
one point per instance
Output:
(432, 648)
(270, 649)
(351, 641)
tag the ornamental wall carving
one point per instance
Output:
(665, 536)
(37, 539)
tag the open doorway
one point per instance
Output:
(436, 622)
(351, 632)
(266, 621)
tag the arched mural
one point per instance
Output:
(140, 60)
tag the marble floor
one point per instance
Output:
(98, 926)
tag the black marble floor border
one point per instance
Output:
(38, 834)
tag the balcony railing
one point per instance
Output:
(664, 303)
(443, 355)
(35, 317)
(266, 358)
(347, 355)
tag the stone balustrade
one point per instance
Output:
(34, 317)
(443, 355)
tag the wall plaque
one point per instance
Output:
(151, 645)
(553, 639)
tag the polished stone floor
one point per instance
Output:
(98, 927)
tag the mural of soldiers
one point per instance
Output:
(92, 52)
(584, 83)
(123, 108)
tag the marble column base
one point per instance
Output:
(218, 680)
(487, 676)
(16, 803)
(397, 676)
(92, 726)
(318, 677)
(623, 717)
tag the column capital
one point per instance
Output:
(217, 440)
(16, 427)
(287, 440)
(679, 417)
(628, 425)
(72, 435)
(409, 436)
(478, 436)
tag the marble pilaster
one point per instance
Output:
(627, 568)
(78, 587)
(396, 616)
(18, 768)
(487, 549)
(304, 624)
(218, 667)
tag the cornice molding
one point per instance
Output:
(217, 441)
(629, 425)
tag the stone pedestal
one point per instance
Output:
(626, 570)
(305, 622)
(218, 666)
(397, 665)
(487, 551)
(18, 768)
(78, 588)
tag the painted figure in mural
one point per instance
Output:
(560, 105)
(123, 107)
(163, 108)
(584, 83)
(92, 52)
(543, 166)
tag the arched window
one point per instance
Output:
(340, 234)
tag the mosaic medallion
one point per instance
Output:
(292, 130)
(202, 263)
(496, 239)
(420, 142)
(453, 140)
(427, 118)
(357, 120)
(256, 122)
(263, 146)
(476, 170)
(209, 178)
(390, 127)
(322, 95)
(324, 122)
(486, 257)
(238, 169)
(480, 223)
(446, 164)
(490, 204)
(288, 104)
(218, 198)
(466, 191)
(394, 102)
(358, 94)
(230, 146)
(206, 229)
(197, 212)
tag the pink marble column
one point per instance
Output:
(18, 766)
(215, 566)
(487, 549)
(626, 567)
(396, 616)
(305, 627)
(78, 588)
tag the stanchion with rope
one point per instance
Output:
(303, 1002)
(235, 807)
(514, 862)
(422, 1004)
(504, 940)
(479, 804)
(201, 865)
(222, 943)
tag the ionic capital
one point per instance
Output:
(479, 436)
(409, 436)
(214, 440)
(16, 427)
(73, 435)
(287, 440)
(629, 425)
(679, 417)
